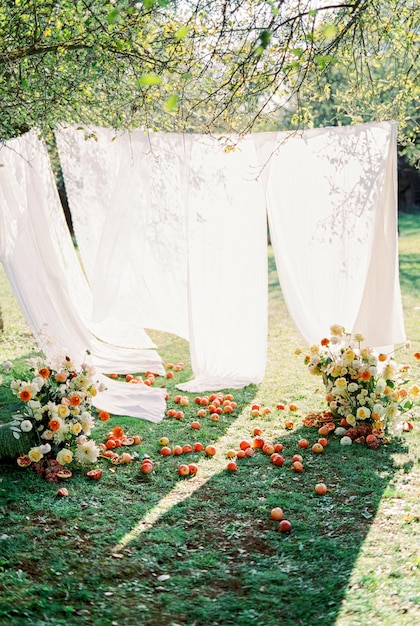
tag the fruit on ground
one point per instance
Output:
(297, 466)
(277, 513)
(321, 489)
(183, 470)
(94, 474)
(285, 526)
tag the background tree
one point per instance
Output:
(207, 65)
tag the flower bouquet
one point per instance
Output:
(366, 392)
(52, 425)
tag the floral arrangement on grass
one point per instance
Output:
(367, 392)
(55, 417)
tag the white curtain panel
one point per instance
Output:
(332, 209)
(227, 264)
(128, 204)
(39, 259)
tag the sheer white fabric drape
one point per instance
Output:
(227, 261)
(41, 264)
(178, 243)
(127, 195)
(332, 209)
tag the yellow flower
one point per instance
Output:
(349, 355)
(64, 456)
(350, 419)
(35, 455)
(314, 349)
(359, 338)
(341, 383)
(414, 391)
(336, 329)
(63, 410)
(75, 428)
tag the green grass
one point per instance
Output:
(159, 550)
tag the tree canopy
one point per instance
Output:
(208, 65)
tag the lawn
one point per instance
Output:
(157, 549)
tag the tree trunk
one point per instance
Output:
(11, 448)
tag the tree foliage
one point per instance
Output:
(205, 65)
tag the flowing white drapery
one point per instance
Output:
(179, 241)
(40, 261)
(172, 235)
(332, 209)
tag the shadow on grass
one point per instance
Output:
(228, 563)
(215, 558)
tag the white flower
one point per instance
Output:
(87, 452)
(363, 413)
(352, 387)
(45, 448)
(48, 435)
(26, 426)
(87, 422)
(346, 441)
(339, 431)
(64, 456)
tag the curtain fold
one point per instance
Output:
(41, 264)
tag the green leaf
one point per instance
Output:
(329, 31)
(323, 60)
(297, 52)
(171, 103)
(113, 16)
(181, 33)
(148, 80)
(265, 38)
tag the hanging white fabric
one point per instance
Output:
(180, 243)
(332, 208)
(227, 260)
(127, 194)
(41, 264)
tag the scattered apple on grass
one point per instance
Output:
(232, 466)
(317, 448)
(321, 489)
(297, 466)
(183, 470)
(277, 513)
(277, 459)
(285, 526)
